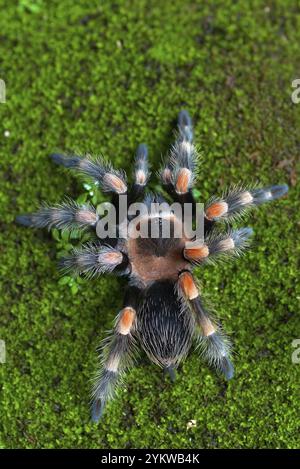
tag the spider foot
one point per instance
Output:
(185, 125)
(269, 193)
(97, 410)
(24, 220)
(66, 161)
(226, 367)
(170, 370)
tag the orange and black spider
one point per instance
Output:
(163, 309)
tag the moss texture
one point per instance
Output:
(102, 77)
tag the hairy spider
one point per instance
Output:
(163, 310)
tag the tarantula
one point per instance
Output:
(163, 310)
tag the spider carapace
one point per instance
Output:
(163, 310)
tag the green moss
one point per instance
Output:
(102, 77)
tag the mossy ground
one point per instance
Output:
(102, 77)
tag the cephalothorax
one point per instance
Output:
(163, 310)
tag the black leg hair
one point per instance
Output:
(214, 344)
(117, 354)
(141, 174)
(170, 370)
(108, 178)
(93, 260)
(65, 216)
(179, 172)
(218, 246)
(237, 201)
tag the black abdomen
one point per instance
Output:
(164, 325)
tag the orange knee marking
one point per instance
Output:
(216, 210)
(183, 180)
(126, 321)
(196, 253)
(115, 182)
(188, 286)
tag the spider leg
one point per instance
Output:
(109, 179)
(105, 176)
(65, 216)
(215, 346)
(93, 259)
(141, 174)
(178, 173)
(170, 370)
(221, 246)
(116, 356)
(238, 201)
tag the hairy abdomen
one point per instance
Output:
(164, 325)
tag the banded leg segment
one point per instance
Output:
(141, 174)
(93, 260)
(179, 173)
(233, 243)
(108, 178)
(237, 201)
(117, 356)
(65, 216)
(215, 346)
